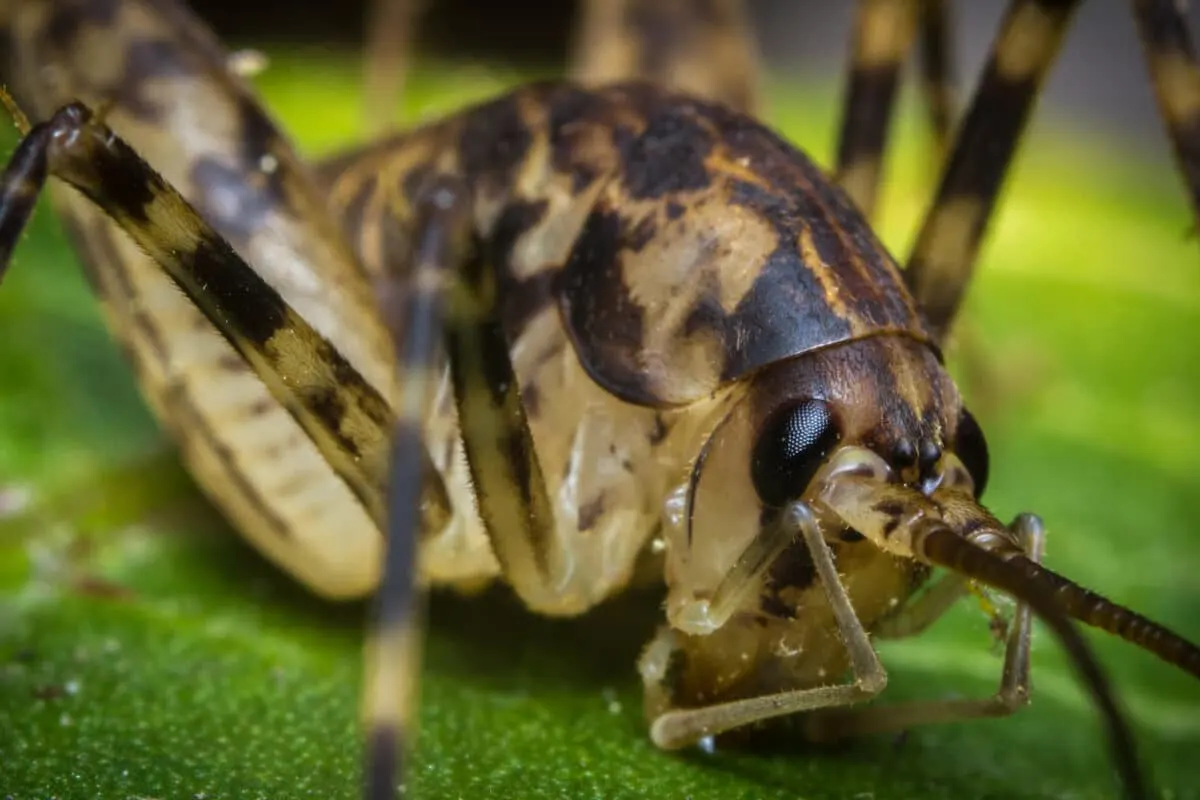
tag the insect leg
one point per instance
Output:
(512, 498)
(412, 304)
(883, 34)
(927, 609)
(340, 411)
(680, 727)
(1171, 59)
(936, 61)
(946, 248)
(1010, 697)
(391, 26)
(703, 47)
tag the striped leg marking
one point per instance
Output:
(946, 248)
(884, 32)
(351, 423)
(344, 415)
(936, 61)
(412, 303)
(1171, 59)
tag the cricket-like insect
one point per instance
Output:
(538, 337)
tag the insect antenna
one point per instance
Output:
(1100, 612)
(1050, 598)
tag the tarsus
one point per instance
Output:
(1056, 600)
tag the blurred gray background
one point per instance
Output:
(1099, 82)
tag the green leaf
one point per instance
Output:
(145, 651)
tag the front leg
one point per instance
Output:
(674, 727)
(1012, 695)
(343, 414)
(351, 424)
(167, 91)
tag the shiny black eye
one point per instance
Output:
(971, 448)
(790, 449)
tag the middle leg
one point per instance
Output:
(1012, 695)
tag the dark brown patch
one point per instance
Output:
(100, 588)
(243, 301)
(493, 141)
(227, 361)
(68, 19)
(328, 405)
(146, 60)
(520, 300)
(890, 527)
(572, 113)
(602, 317)
(868, 113)
(126, 185)
(47, 692)
(641, 234)
(347, 377)
(659, 431)
(531, 399)
(668, 157)
(793, 569)
(415, 181)
(590, 512)
(890, 507)
(770, 604)
(674, 674)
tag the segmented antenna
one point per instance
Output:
(1100, 612)
(939, 545)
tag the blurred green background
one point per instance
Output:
(146, 652)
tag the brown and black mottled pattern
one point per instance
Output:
(500, 449)
(698, 155)
(109, 280)
(69, 18)
(246, 310)
(529, 296)
(670, 167)
(143, 59)
(493, 141)
(793, 571)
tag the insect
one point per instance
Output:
(533, 325)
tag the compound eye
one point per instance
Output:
(971, 448)
(791, 447)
